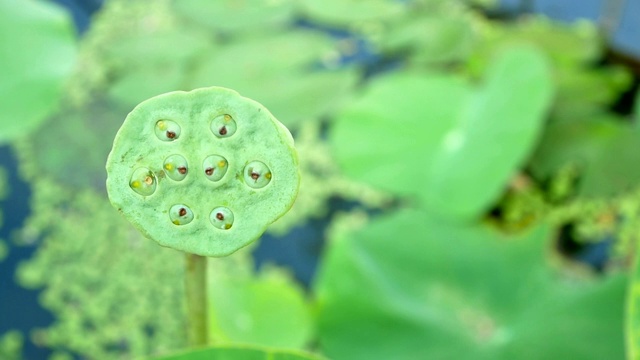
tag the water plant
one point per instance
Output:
(481, 197)
(32, 75)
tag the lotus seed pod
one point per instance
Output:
(204, 171)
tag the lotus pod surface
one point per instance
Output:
(204, 171)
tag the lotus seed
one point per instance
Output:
(175, 166)
(215, 167)
(180, 214)
(143, 182)
(167, 130)
(257, 174)
(222, 218)
(223, 126)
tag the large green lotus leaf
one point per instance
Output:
(387, 135)
(603, 148)
(234, 15)
(410, 286)
(348, 12)
(494, 134)
(278, 70)
(240, 353)
(38, 53)
(268, 309)
(436, 137)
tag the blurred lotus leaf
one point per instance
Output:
(602, 148)
(435, 136)
(267, 310)
(147, 82)
(240, 353)
(348, 12)
(38, 53)
(143, 67)
(236, 16)
(282, 72)
(148, 48)
(410, 286)
(431, 36)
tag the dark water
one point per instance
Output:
(19, 308)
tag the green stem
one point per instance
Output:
(196, 292)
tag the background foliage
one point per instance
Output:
(485, 168)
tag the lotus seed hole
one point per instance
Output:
(176, 167)
(222, 218)
(167, 130)
(257, 174)
(215, 167)
(223, 126)
(180, 214)
(143, 181)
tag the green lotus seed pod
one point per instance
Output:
(204, 171)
